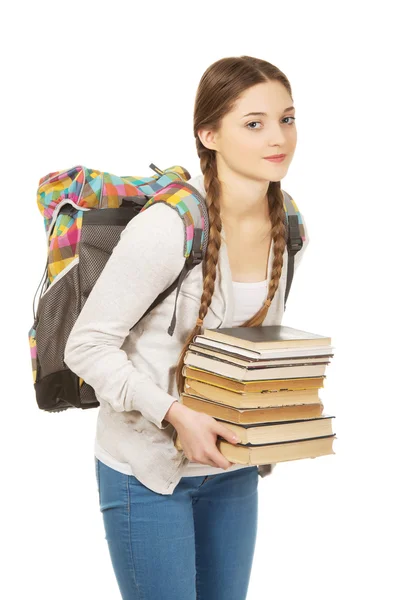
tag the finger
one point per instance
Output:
(208, 462)
(227, 434)
(213, 464)
(220, 461)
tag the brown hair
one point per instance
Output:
(219, 88)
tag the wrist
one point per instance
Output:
(174, 412)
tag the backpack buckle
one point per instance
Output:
(194, 258)
(294, 244)
(196, 254)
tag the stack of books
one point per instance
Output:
(262, 383)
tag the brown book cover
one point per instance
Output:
(299, 383)
(252, 415)
(262, 454)
(274, 453)
(269, 354)
(267, 337)
(251, 372)
(283, 431)
(245, 361)
(249, 399)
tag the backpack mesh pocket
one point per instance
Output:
(57, 387)
(101, 230)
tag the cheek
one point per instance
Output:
(248, 145)
(239, 138)
(292, 139)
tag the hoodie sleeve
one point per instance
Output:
(146, 260)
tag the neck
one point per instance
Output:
(243, 201)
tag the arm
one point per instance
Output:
(146, 260)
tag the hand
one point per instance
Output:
(198, 433)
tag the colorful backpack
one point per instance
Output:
(84, 213)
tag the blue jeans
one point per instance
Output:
(194, 544)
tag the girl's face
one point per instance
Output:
(244, 139)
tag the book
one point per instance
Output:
(301, 383)
(237, 399)
(274, 453)
(252, 415)
(245, 360)
(280, 430)
(267, 337)
(252, 371)
(258, 354)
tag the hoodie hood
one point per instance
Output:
(198, 183)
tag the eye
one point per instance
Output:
(251, 123)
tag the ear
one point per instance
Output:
(208, 138)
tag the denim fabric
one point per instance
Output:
(194, 544)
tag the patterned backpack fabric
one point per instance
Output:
(84, 213)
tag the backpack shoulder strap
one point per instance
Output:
(187, 201)
(190, 205)
(295, 236)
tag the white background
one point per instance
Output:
(112, 86)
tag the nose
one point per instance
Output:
(276, 135)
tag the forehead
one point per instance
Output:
(270, 97)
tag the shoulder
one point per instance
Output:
(159, 216)
(159, 222)
(155, 234)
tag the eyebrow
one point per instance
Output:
(265, 114)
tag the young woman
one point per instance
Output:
(182, 524)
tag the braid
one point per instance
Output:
(278, 234)
(209, 266)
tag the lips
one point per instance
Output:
(276, 158)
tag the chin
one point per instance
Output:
(277, 175)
